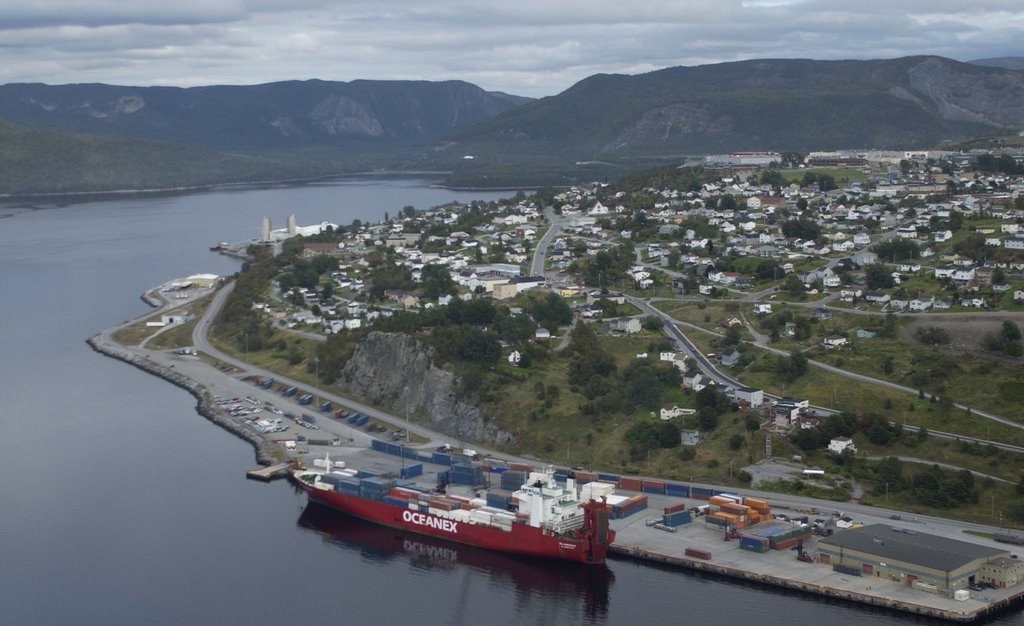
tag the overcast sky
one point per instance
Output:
(526, 47)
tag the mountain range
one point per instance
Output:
(621, 121)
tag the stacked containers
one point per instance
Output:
(608, 478)
(375, 488)
(629, 507)
(513, 480)
(499, 498)
(754, 544)
(677, 490)
(468, 474)
(653, 486)
(676, 518)
(759, 506)
(583, 478)
(631, 484)
(596, 490)
(701, 493)
(348, 486)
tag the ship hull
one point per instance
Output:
(521, 539)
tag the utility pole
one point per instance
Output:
(316, 362)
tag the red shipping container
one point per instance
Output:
(521, 467)
(675, 508)
(630, 484)
(700, 554)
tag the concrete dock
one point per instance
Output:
(780, 568)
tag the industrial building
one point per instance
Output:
(923, 561)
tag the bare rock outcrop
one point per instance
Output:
(395, 371)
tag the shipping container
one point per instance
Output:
(290, 391)
(700, 493)
(698, 554)
(608, 478)
(653, 486)
(677, 490)
(675, 508)
(378, 445)
(720, 500)
(306, 399)
(352, 418)
(267, 383)
(326, 406)
(846, 569)
(411, 471)
(363, 419)
(630, 484)
(521, 467)
(441, 458)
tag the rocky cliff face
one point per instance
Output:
(395, 371)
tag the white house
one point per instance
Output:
(834, 341)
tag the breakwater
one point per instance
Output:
(204, 402)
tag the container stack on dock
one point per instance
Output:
(596, 490)
(775, 534)
(468, 474)
(513, 479)
(676, 515)
(626, 507)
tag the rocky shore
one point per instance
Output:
(204, 402)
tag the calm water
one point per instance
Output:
(122, 506)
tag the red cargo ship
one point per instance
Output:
(551, 521)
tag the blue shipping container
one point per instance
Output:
(677, 490)
(441, 458)
(608, 478)
(362, 420)
(291, 391)
(378, 445)
(409, 453)
(326, 406)
(410, 471)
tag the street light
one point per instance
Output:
(316, 362)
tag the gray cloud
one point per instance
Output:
(529, 47)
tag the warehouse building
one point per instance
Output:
(926, 562)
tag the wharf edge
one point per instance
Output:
(640, 554)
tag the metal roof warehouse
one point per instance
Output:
(927, 562)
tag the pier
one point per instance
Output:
(268, 473)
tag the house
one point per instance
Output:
(762, 308)
(694, 380)
(1018, 296)
(629, 325)
(863, 333)
(921, 304)
(821, 313)
(909, 267)
(831, 281)
(834, 341)
(849, 292)
(541, 334)
(942, 235)
(838, 445)
(878, 297)
(753, 397)
(515, 357)
(730, 357)
(973, 302)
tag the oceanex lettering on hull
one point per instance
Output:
(421, 519)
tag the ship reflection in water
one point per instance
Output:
(565, 581)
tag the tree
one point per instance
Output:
(877, 276)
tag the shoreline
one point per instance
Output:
(204, 405)
(635, 541)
